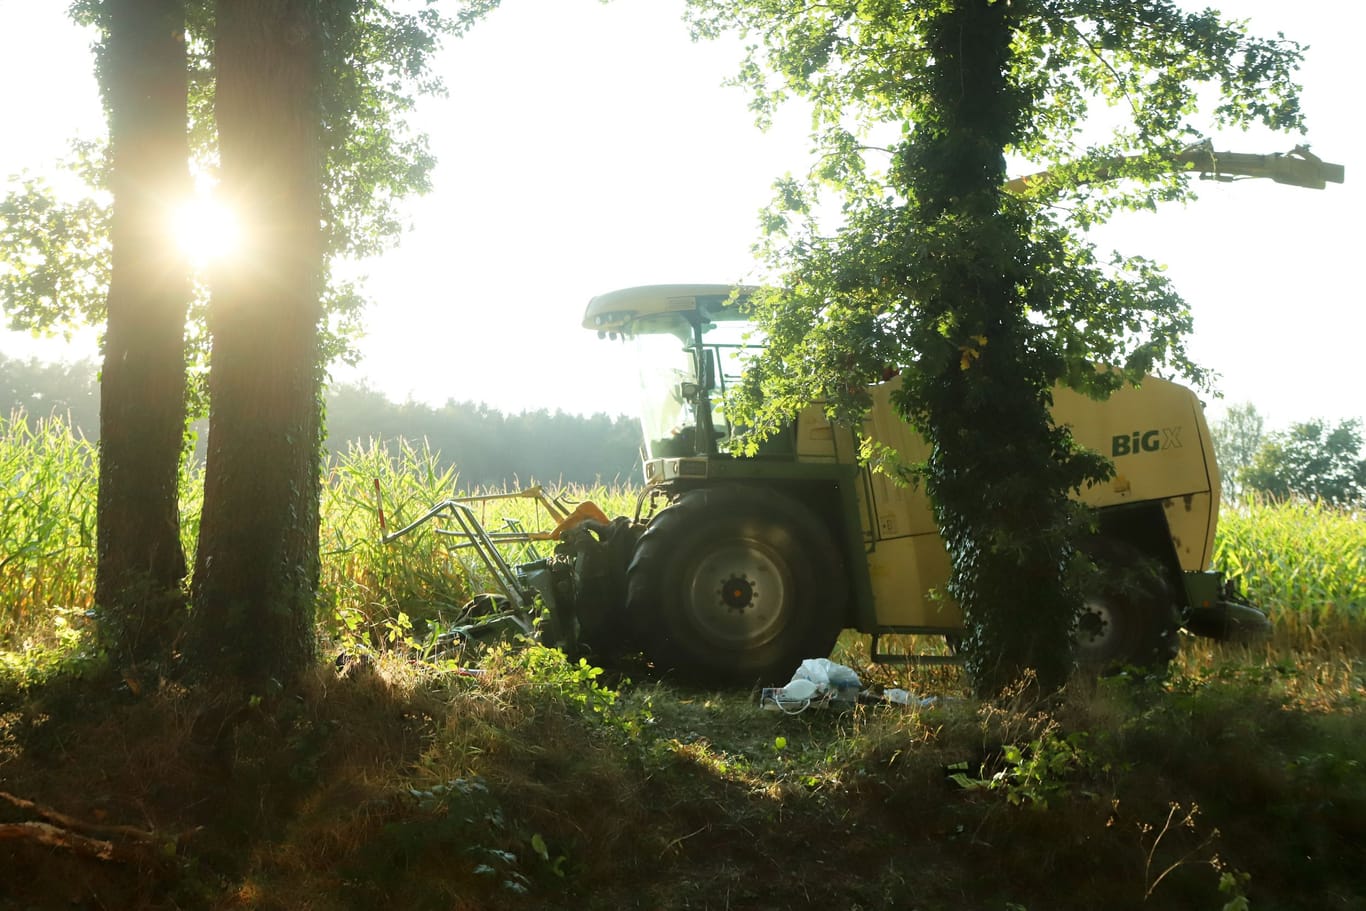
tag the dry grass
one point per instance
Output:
(535, 784)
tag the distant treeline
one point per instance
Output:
(487, 447)
(69, 391)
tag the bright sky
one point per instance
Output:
(586, 147)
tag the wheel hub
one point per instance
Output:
(737, 593)
(1093, 624)
(1095, 630)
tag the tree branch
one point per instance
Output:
(47, 834)
(71, 823)
(125, 844)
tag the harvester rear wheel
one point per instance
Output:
(1130, 616)
(736, 584)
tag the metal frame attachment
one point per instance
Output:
(469, 531)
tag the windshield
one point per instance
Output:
(666, 417)
(672, 385)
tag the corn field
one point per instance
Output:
(1302, 562)
(47, 525)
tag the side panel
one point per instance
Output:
(1192, 520)
(908, 563)
(902, 508)
(818, 440)
(1156, 434)
(907, 576)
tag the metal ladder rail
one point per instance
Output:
(475, 536)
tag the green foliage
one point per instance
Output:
(54, 251)
(47, 515)
(1039, 769)
(403, 784)
(552, 676)
(369, 586)
(1238, 437)
(462, 817)
(983, 301)
(1300, 561)
(1234, 885)
(377, 60)
(57, 651)
(1312, 460)
(47, 530)
(1029, 774)
(1272, 737)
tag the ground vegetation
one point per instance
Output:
(407, 776)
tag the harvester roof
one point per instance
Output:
(616, 310)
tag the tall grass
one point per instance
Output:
(372, 591)
(1304, 563)
(375, 592)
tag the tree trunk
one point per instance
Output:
(141, 564)
(256, 570)
(1000, 470)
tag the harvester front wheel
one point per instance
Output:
(736, 584)
(1130, 617)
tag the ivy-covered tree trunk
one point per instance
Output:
(999, 468)
(141, 565)
(256, 570)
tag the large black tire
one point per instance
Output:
(736, 584)
(1130, 617)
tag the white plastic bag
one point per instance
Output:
(840, 681)
(818, 681)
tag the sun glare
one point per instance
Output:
(206, 230)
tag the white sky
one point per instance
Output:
(586, 147)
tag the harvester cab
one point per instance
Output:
(692, 342)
